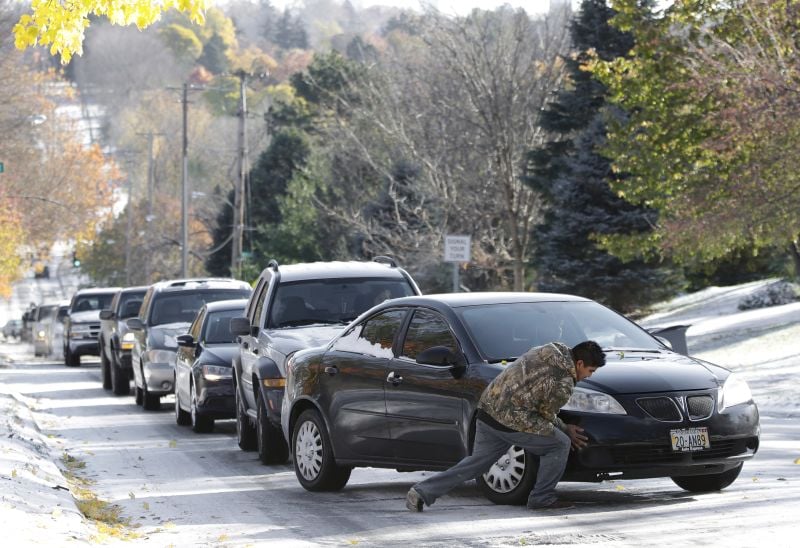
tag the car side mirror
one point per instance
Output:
(437, 355)
(240, 326)
(186, 340)
(106, 314)
(135, 323)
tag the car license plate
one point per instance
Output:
(690, 439)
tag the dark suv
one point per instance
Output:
(167, 311)
(294, 307)
(82, 324)
(116, 340)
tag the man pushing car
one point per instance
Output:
(520, 407)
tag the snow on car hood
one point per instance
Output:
(287, 341)
(86, 316)
(636, 373)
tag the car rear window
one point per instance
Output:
(182, 306)
(332, 301)
(92, 302)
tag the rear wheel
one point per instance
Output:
(709, 482)
(314, 463)
(105, 369)
(200, 424)
(272, 448)
(245, 433)
(138, 396)
(511, 478)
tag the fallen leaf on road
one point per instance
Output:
(755, 479)
(56, 512)
(173, 443)
(146, 506)
(620, 488)
(14, 473)
(797, 460)
(222, 538)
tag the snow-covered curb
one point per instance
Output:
(35, 503)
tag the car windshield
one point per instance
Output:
(47, 312)
(182, 306)
(332, 301)
(92, 302)
(506, 331)
(218, 326)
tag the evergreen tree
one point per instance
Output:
(213, 57)
(269, 179)
(573, 177)
(290, 32)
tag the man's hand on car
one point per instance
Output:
(576, 436)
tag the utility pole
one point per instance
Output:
(239, 184)
(151, 178)
(128, 231)
(185, 185)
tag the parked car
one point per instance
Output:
(12, 329)
(168, 309)
(399, 389)
(44, 316)
(116, 340)
(294, 307)
(83, 323)
(203, 369)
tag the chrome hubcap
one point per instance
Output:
(308, 450)
(506, 474)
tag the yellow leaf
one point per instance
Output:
(222, 538)
(620, 488)
(173, 443)
(797, 460)
(14, 473)
(146, 506)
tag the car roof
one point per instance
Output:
(230, 304)
(457, 300)
(97, 291)
(137, 289)
(337, 269)
(199, 283)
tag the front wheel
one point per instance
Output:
(245, 433)
(272, 448)
(120, 383)
(71, 359)
(105, 369)
(150, 402)
(510, 479)
(314, 463)
(200, 423)
(709, 482)
(182, 418)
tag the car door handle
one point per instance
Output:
(394, 379)
(331, 370)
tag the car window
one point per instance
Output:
(218, 326)
(256, 304)
(182, 306)
(426, 330)
(129, 305)
(375, 337)
(508, 330)
(92, 302)
(194, 329)
(332, 300)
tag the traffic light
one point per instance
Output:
(76, 262)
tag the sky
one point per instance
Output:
(459, 7)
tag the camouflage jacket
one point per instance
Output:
(527, 395)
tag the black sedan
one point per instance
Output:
(399, 389)
(203, 368)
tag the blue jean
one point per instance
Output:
(490, 445)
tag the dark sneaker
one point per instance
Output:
(555, 505)
(414, 502)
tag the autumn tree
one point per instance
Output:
(711, 88)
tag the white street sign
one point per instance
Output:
(457, 249)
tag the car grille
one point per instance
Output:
(661, 408)
(661, 454)
(699, 407)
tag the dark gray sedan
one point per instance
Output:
(399, 389)
(203, 371)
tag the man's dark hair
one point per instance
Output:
(590, 352)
